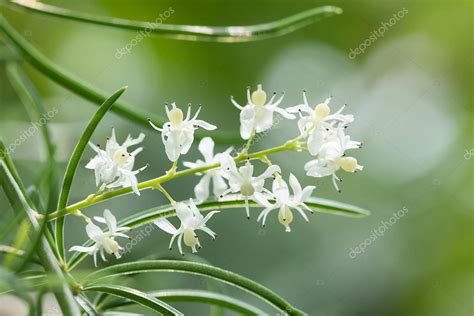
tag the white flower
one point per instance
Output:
(103, 240)
(206, 147)
(178, 133)
(242, 180)
(191, 220)
(332, 157)
(318, 122)
(113, 166)
(256, 115)
(285, 202)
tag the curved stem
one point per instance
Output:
(74, 162)
(86, 90)
(226, 34)
(16, 193)
(136, 296)
(199, 269)
(167, 177)
(139, 219)
(196, 296)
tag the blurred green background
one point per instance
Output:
(411, 93)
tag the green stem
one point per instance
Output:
(86, 90)
(16, 192)
(227, 34)
(195, 296)
(154, 182)
(194, 268)
(74, 162)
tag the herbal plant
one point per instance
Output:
(42, 265)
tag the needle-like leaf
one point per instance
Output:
(227, 34)
(136, 296)
(196, 296)
(198, 269)
(74, 162)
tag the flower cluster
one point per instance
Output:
(321, 133)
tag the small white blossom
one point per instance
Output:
(103, 240)
(318, 122)
(332, 157)
(191, 220)
(206, 147)
(178, 133)
(113, 166)
(257, 115)
(285, 202)
(242, 180)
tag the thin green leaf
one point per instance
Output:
(319, 205)
(87, 91)
(30, 98)
(74, 162)
(227, 34)
(86, 305)
(198, 269)
(16, 194)
(136, 296)
(196, 296)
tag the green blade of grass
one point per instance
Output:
(16, 194)
(74, 162)
(225, 34)
(318, 205)
(209, 271)
(207, 297)
(31, 100)
(135, 296)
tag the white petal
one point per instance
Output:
(295, 185)
(93, 231)
(269, 172)
(206, 147)
(260, 199)
(202, 188)
(166, 226)
(315, 141)
(88, 250)
(204, 124)
(263, 119)
(219, 185)
(110, 220)
(133, 141)
(284, 113)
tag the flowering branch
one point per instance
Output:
(154, 183)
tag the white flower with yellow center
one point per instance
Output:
(285, 202)
(104, 241)
(178, 133)
(318, 122)
(113, 166)
(242, 180)
(191, 220)
(257, 115)
(206, 147)
(332, 157)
